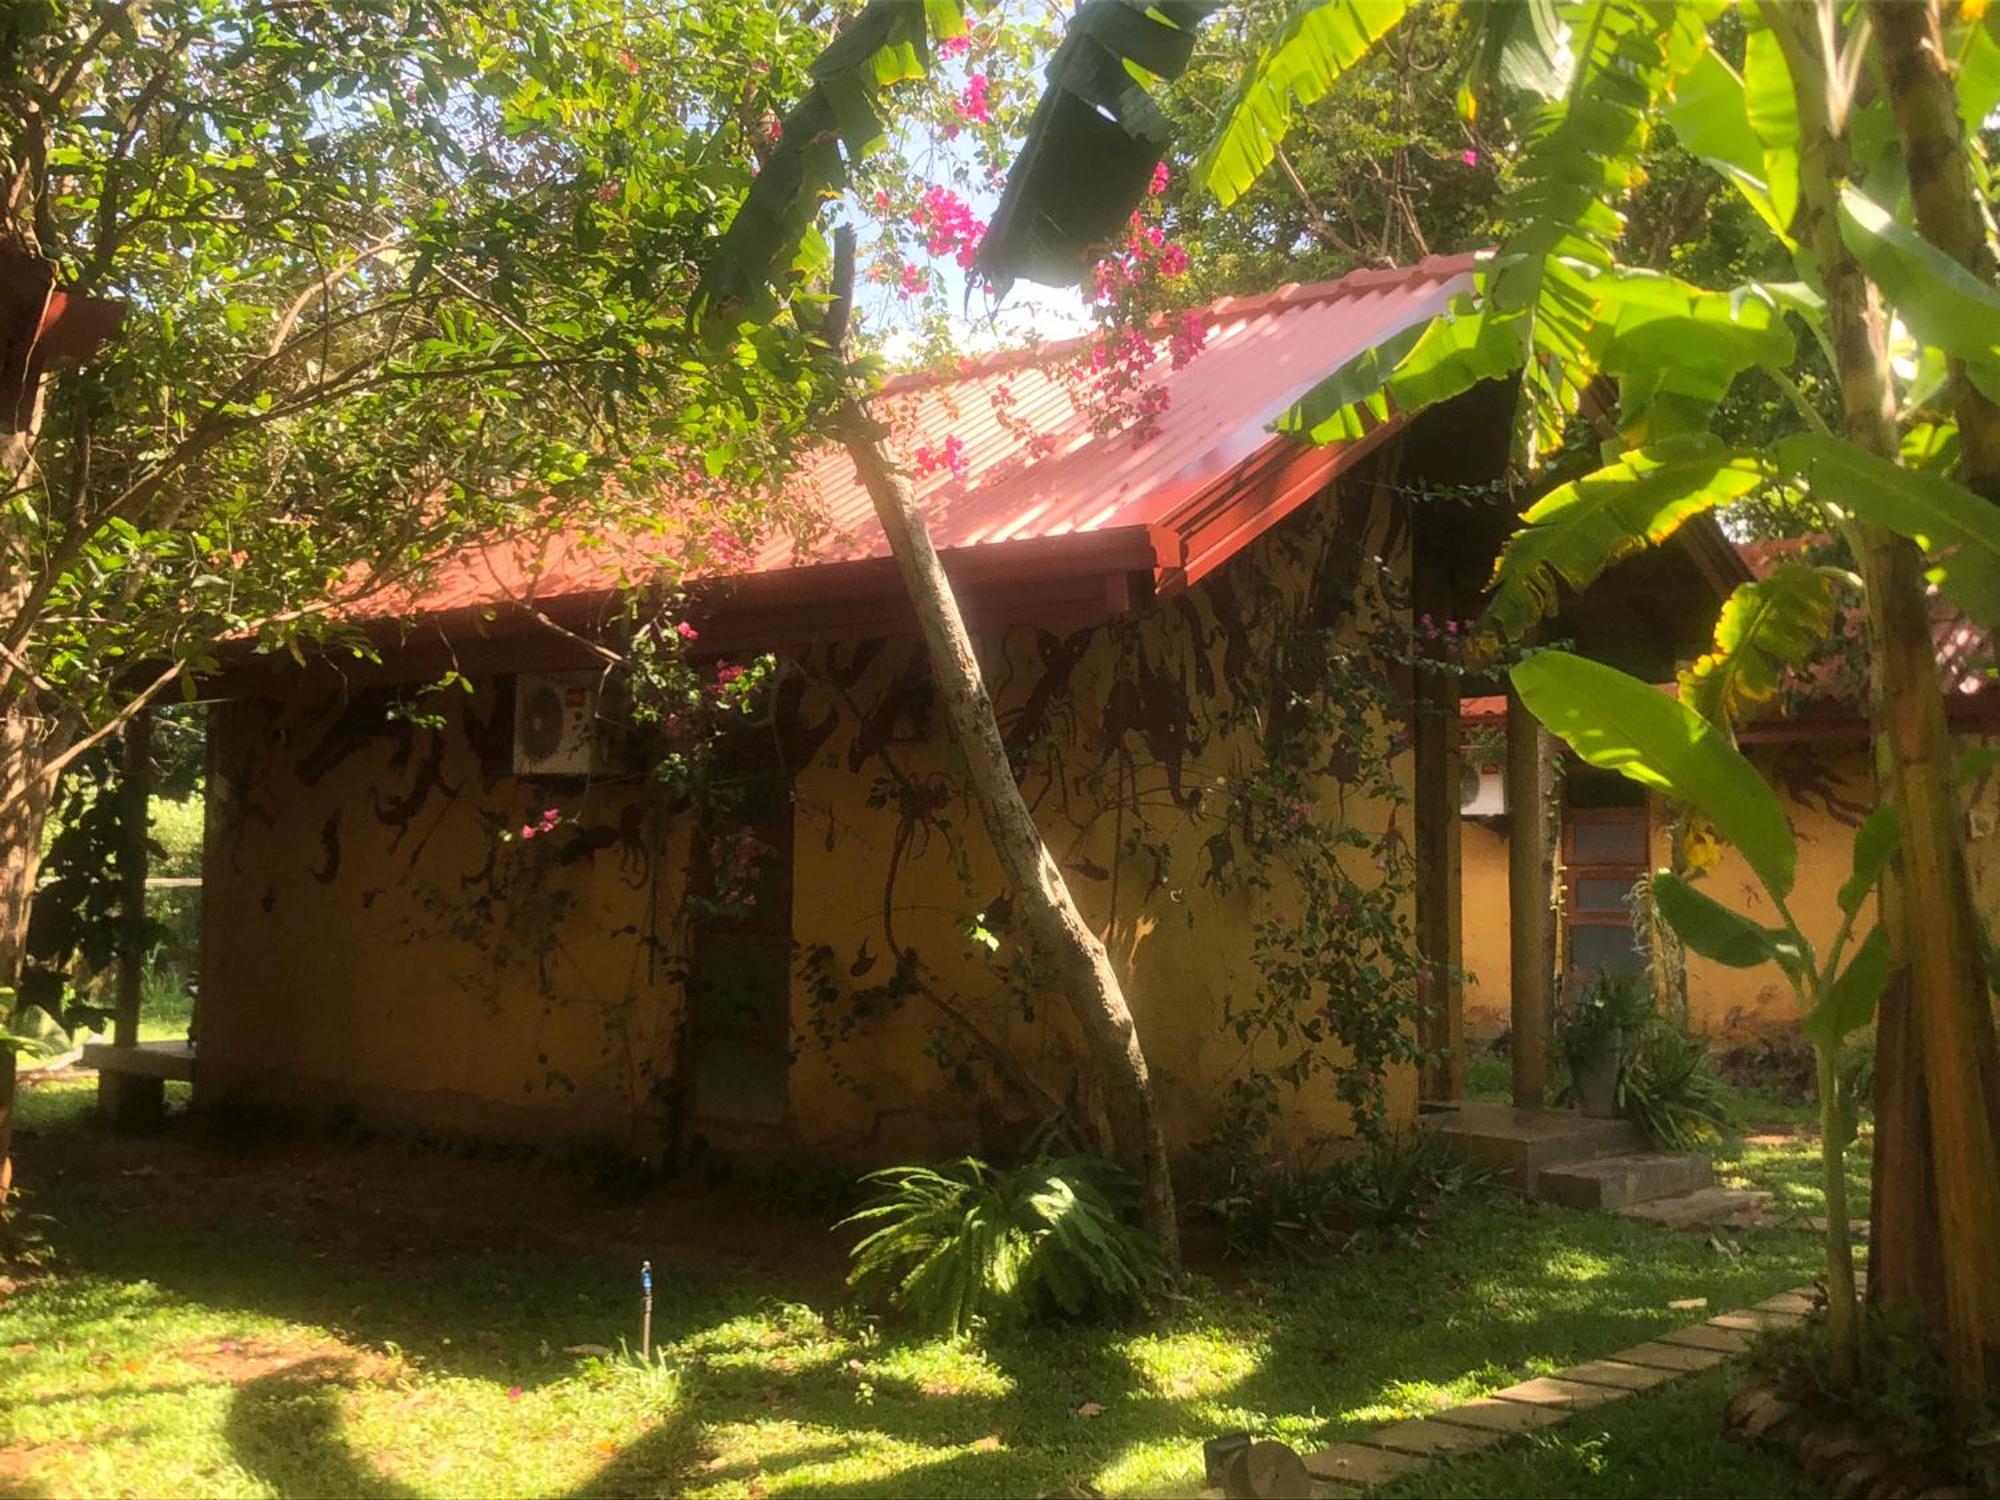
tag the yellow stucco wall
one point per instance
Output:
(371, 946)
(1826, 788)
(368, 942)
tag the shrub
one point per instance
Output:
(966, 1241)
(1390, 1189)
(1670, 1089)
(1607, 1010)
(1904, 1406)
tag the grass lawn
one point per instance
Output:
(247, 1317)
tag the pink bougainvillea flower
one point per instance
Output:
(687, 632)
(1173, 260)
(527, 830)
(513, 1393)
(973, 105)
(1469, 157)
(1161, 177)
(950, 227)
(726, 673)
(951, 456)
(955, 46)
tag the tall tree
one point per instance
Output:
(395, 273)
(1939, 1110)
(1093, 144)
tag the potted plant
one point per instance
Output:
(1599, 1022)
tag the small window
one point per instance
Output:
(1602, 894)
(1595, 842)
(1586, 786)
(1601, 950)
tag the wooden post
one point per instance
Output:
(1439, 895)
(135, 787)
(1530, 899)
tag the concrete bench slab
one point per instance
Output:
(165, 1060)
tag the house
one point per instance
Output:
(1813, 749)
(828, 967)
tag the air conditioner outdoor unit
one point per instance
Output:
(1482, 791)
(555, 723)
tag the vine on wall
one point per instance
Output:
(1248, 739)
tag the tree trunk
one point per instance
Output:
(1937, 987)
(25, 786)
(1440, 897)
(1907, 1259)
(1089, 982)
(135, 786)
(1531, 863)
(1925, 103)
(1951, 216)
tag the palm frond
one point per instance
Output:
(1579, 529)
(1319, 41)
(1765, 627)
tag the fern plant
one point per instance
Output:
(966, 1242)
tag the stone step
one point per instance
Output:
(1520, 1144)
(1619, 1181)
(1708, 1208)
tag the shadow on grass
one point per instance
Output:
(286, 1429)
(1311, 1353)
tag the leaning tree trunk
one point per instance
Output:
(1089, 982)
(1936, 999)
(1042, 896)
(1906, 1259)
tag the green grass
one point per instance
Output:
(1660, 1443)
(166, 1008)
(235, 1316)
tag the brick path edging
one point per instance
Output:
(1349, 1468)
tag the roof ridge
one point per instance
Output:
(1289, 294)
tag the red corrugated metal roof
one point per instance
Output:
(1059, 515)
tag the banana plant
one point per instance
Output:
(840, 119)
(1619, 723)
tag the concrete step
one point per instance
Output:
(1619, 1181)
(1520, 1144)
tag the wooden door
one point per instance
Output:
(1605, 851)
(739, 985)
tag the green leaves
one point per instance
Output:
(1942, 303)
(1320, 40)
(1619, 723)
(1850, 1001)
(1710, 928)
(1709, 115)
(1578, 530)
(888, 42)
(960, 1241)
(1745, 127)
(1959, 530)
(1875, 843)
(1676, 349)
(1764, 628)
(1094, 140)
(1539, 299)
(1419, 366)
